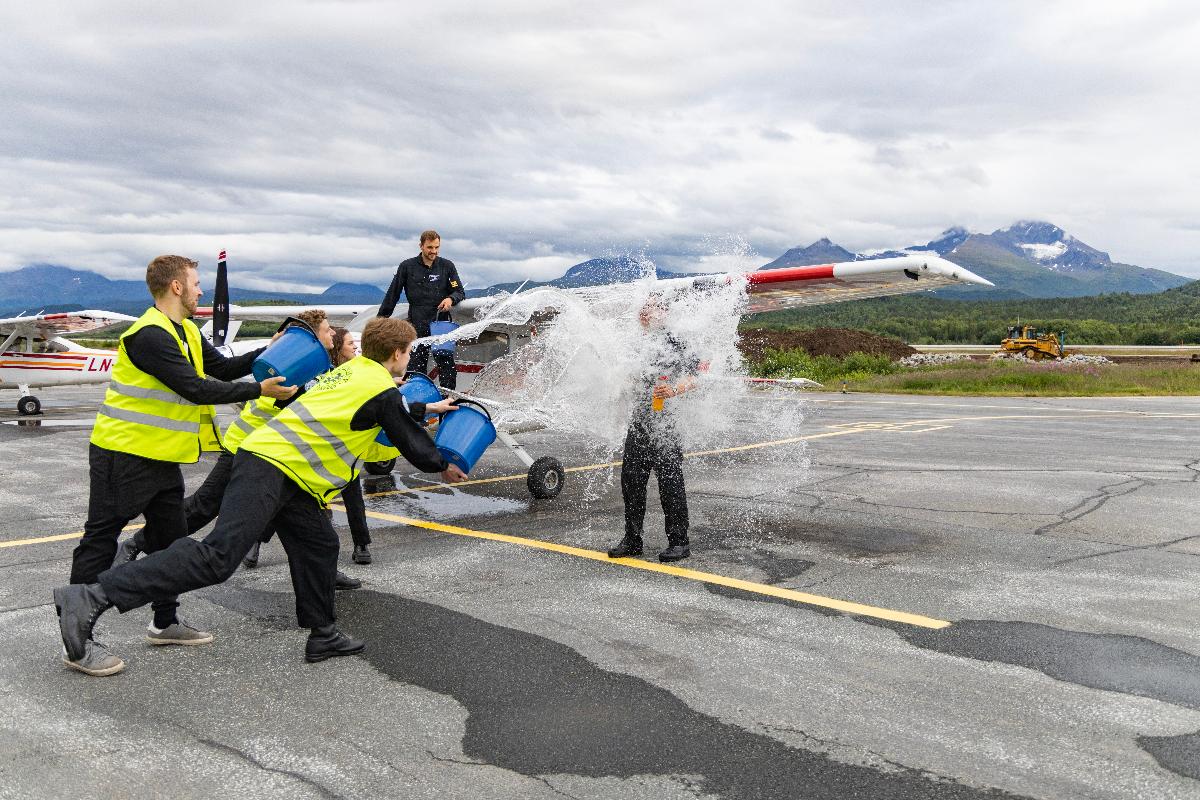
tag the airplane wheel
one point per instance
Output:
(380, 467)
(546, 478)
(29, 405)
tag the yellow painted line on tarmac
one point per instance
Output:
(846, 606)
(61, 537)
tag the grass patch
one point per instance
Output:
(823, 369)
(999, 378)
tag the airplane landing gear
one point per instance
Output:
(28, 405)
(546, 477)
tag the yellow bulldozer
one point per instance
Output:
(1033, 344)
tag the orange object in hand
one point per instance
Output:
(656, 403)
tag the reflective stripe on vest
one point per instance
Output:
(142, 416)
(311, 440)
(151, 420)
(254, 414)
(148, 394)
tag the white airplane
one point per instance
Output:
(768, 290)
(34, 354)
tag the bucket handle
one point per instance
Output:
(439, 317)
(296, 321)
(464, 401)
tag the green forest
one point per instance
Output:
(1164, 318)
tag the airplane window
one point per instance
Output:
(50, 347)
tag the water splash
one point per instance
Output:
(582, 371)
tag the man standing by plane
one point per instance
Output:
(432, 286)
(157, 414)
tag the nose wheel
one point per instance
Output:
(546, 477)
(29, 406)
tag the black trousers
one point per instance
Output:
(657, 449)
(447, 371)
(258, 495)
(203, 505)
(356, 510)
(122, 487)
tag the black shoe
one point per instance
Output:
(675, 552)
(626, 548)
(344, 581)
(328, 642)
(129, 549)
(251, 559)
(362, 555)
(78, 607)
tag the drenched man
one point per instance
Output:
(653, 442)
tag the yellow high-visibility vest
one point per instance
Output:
(142, 416)
(254, 415)
(311, 439)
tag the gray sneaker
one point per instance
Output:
(178, 632)
(96, 661)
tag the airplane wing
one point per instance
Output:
(769, 290)
(336, 313)
(47, 326)
(792, 287)
(355, 317)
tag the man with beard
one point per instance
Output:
(157, 414)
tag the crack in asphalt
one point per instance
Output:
(1130, 549)
(1096, 501)
(25, 608)
(285, 772)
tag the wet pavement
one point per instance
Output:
(1056, 537)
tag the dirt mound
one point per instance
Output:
(822, 342)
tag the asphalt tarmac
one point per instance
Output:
(914, 598)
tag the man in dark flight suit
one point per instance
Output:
(432, 286)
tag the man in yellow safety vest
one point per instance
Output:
(156, 415)
(284, 474)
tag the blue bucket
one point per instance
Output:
(464, 434)
(419, 388)
(440, 328)
(298, 355)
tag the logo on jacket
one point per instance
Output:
(433, 277)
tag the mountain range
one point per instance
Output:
(1025, 260)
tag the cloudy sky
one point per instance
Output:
(315, 140)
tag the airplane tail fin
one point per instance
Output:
(220, 305)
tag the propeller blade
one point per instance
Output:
(220, 306)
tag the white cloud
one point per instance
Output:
(315, 140)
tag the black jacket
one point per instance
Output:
(386, 410)
(424, 287)
(152, 350)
